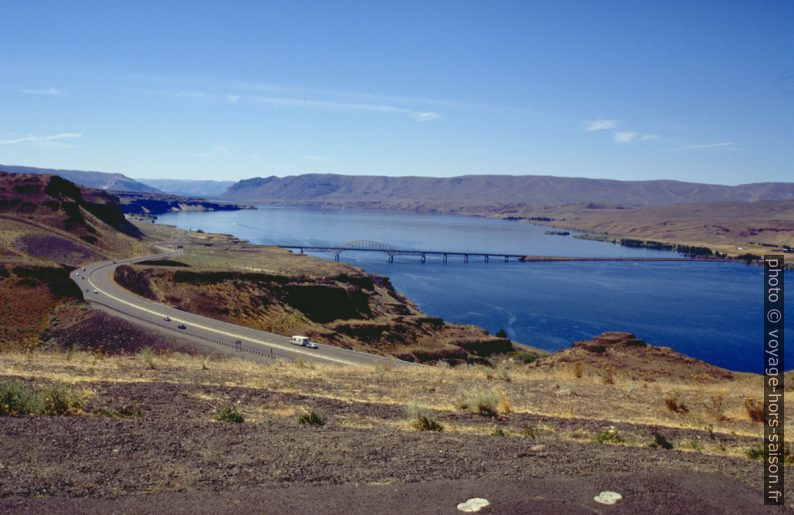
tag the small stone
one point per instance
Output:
(473, 504)
(537, 448)
(607, 497)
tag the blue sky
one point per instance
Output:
(693, 90)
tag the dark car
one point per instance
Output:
(182, 326)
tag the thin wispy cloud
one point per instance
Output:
(648, 137)
(315, 158)
(51, 92)
(624, 137)
(51, 141)
(600, 125)
(729, 145)
(302, 103)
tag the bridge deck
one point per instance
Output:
(391, 252)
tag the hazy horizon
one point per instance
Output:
(667, 90)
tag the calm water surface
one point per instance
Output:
(712, 311)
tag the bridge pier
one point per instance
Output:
(424, 257)
(486, 258)
(391, 258)
(507, 258)
(465, 258)
(336, 256)
(445, 258)
(301, 251)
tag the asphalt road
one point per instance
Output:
(97, 284)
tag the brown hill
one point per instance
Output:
(49, 225)
(489, 190)
(48, 218)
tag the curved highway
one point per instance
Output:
(98, 286)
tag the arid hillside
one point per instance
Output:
(169, 432)
(49, 226)
(734, 228)
(493, 191)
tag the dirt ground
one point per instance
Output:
(175, 457)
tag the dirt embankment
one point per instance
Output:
(356, 311)
(28, 296)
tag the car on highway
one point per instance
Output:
(96, 291)
(167, 319)
(182, 326)
(87, 290)
(303, 341)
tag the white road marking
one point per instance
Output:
(211, 329)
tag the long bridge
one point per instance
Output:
(392, 252)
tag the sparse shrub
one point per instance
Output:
(482, 402)
(17, 398)
(312, 418)
(695, 444)
(661, 441)
(499, 432)
(500, 373)
(530, 431)
(611, 435)
(229, 413)
(715, 407)
(61, 399)
(675, 404)
(755, 409)
(147, 357)
(425, 423)
(421, 421)
(205, 363)
(755, 453)
(501, 333)
(607, 376)
(524, 356)
(123, 411)
(577, 370)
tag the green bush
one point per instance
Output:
(61, 399)
(17, 398)
(524, 356)
(756, 453)
(312, 418)
(609, 436)
(229, 414)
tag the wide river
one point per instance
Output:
(712, 311)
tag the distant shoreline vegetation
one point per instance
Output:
(691, 251)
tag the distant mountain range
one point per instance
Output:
(491, 190)
(97, 180)
(432, 193)
(189, 188)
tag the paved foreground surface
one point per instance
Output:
(98, 286)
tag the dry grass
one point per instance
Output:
(553, 394)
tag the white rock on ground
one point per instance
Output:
(473, 504)
(607, 497)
